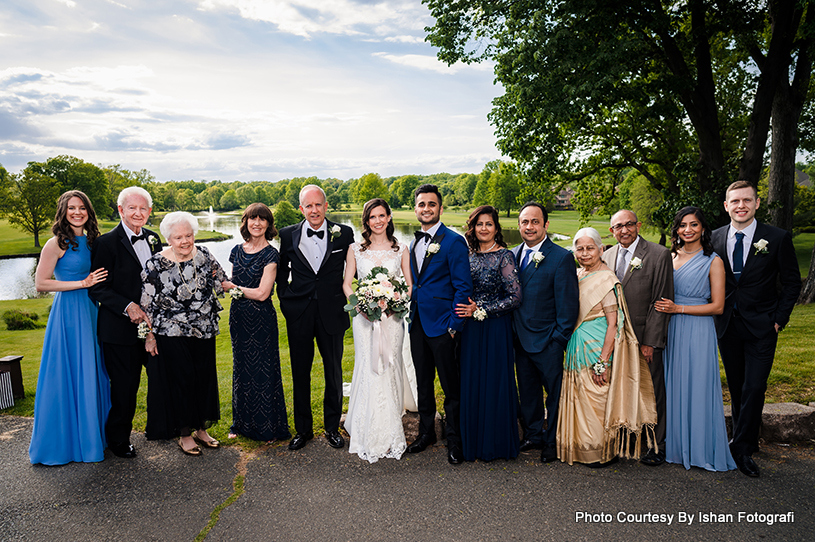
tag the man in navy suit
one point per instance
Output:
(543, 325)
(757, 257)
(441, 279)
(313, 253)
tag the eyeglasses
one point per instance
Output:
(628, 225)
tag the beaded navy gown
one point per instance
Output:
(258, 404)
(489, 396)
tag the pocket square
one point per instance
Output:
(335, 251)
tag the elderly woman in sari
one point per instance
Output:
(178, 297)
(607, 393)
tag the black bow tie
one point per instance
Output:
(422, 235)
(312, 233)
(134, 238)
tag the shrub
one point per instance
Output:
(17, 320)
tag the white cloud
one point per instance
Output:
(429, 62)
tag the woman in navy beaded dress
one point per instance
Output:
(489, 397)
(258, 405)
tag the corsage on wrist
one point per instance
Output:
(600, 366)
(480, 314)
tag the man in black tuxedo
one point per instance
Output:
(313, 254)
(123, 252)
(757, 258)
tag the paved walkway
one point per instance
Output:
(319, 493)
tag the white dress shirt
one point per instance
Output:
(629, 254)
(749, 232)
(313, 248)
(529, 250)
(141, 247)
(420, 247)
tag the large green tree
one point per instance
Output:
(28, 200)
(71, 173)
(680, 91)
(368, 187)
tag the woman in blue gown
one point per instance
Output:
(696, 432)
(258, 405)
(489, 397)
(73, 391)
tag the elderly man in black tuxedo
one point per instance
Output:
(313, 254)
(123, 252)
(758, 258)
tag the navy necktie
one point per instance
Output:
(738, 256)
(525, 260)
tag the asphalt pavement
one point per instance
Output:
(319, 493)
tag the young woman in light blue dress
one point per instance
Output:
(73, 391)
(696, 432)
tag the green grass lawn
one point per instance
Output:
(792, 378)
(14, 241)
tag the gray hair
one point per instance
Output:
(310, 187)
(591, 233)
(134, 191)
(171, 220)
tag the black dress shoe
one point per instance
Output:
(124, 449)
(334, 439)
(653, 459)
(746, 465)
(421, 443)
(548, 454)
(529, 445)
(299, 441)
(454, 455)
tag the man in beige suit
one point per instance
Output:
(646, 273)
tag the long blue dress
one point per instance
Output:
(73, 390)
(489, 397)
(696, 432)
(258, 404)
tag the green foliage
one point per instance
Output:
(368, 187)
(402, 189)
(29, 202)
(229, 201)
(17, 319)
(286, 215)
(247, 195)
(71, 173)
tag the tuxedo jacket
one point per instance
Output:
(114, 252)
(769, 285)
(324, 286)
(551, 298)
(444, 282)
(645, 286)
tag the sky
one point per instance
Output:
(238, 89)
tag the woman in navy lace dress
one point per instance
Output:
(489, 397)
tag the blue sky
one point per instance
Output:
(238, 89)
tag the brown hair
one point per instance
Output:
(470, 236)
(740, 184)
(258, 210)
(62, 229)
(367, 209)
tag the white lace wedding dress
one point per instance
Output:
(381, 387)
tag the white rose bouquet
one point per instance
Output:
(380, 292)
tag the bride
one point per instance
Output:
(374, 419)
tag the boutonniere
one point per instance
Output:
(432, 248)
(761, 246)
(335, 232)
(636, 263)
(152, 240)
(537, 258)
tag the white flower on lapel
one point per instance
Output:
(761, 246)
(335, 231)
(432, 248)
(480, 314)
(636, 263)
(152, 240)
(537, 258)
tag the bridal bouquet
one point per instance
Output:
(380, 292)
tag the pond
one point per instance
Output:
(18, 273)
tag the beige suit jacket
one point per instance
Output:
(645, 286)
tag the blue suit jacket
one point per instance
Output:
(444, 282)
(551, 298)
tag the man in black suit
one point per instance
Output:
(757, 257)
(123, 252)
(313, 254)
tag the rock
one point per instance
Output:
(410, 421)
(783, 422)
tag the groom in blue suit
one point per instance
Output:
(441, 279)
(543, 325)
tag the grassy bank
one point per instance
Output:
(792, 378)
